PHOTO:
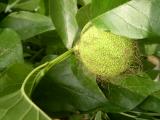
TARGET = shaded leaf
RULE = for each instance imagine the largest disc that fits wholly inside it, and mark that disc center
(2, 7)
(80, 92)
(83, 16)
(98, 116)
(52, 42)
(22, 5)
(152, 103)
(84, 2)
(131, 91)
(44, 7)
(27, 24)
(31, 5)
(63, 15)
(10, 48)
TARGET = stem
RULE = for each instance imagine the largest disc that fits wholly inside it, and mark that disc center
(128, 115)
(10, 6)
(43, 69)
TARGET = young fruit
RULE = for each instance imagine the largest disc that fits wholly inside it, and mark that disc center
(105, 54)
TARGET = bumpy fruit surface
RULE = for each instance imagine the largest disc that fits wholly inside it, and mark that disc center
(105, 53)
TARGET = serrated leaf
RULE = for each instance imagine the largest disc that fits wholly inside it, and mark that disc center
(27, 24)
(63, 15)
(135, 19)
(10, 48)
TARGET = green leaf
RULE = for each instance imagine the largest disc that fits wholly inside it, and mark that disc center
(122, 116)
(10, 48)
(99, 7)
(27, 24)
(2, 7)
(22, 5)
(96, 8)
(52, 43)
(84, 2)
(135, 19)
(14, 103)
(152, 103)
(98, 116)
(44, 7)
(83, 16)
(150, 46)
(130, 91)
(42, 45)
(67, 80)
(63, 15)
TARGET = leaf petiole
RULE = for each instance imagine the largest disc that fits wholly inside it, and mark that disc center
(41, 70)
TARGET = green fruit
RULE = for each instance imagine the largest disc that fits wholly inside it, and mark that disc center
(104, 53)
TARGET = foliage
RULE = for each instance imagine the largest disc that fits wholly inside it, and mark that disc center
(41, 77)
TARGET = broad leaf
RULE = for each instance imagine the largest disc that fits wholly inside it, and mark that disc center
(31, 5)
(152, 103)
(135, 19)
(63, 15)
(44, 7)
(44, 44)
(83, 15)
(14, 103)
(130, 91)
(52, 43)
(10, 48)
(84, 2)
(99, 7)
(27, 24)
(67, 81)
(22, 5)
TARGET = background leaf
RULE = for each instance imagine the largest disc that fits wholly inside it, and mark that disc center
(27, 24)
(129, 92)
(83, 16)
(63, 15)
(98, 116)
(42, 46)
(83, 2)
(10, 48)
(80, 92)
(44, 7)
(152, 103)
(2, 7)
(31, 5)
